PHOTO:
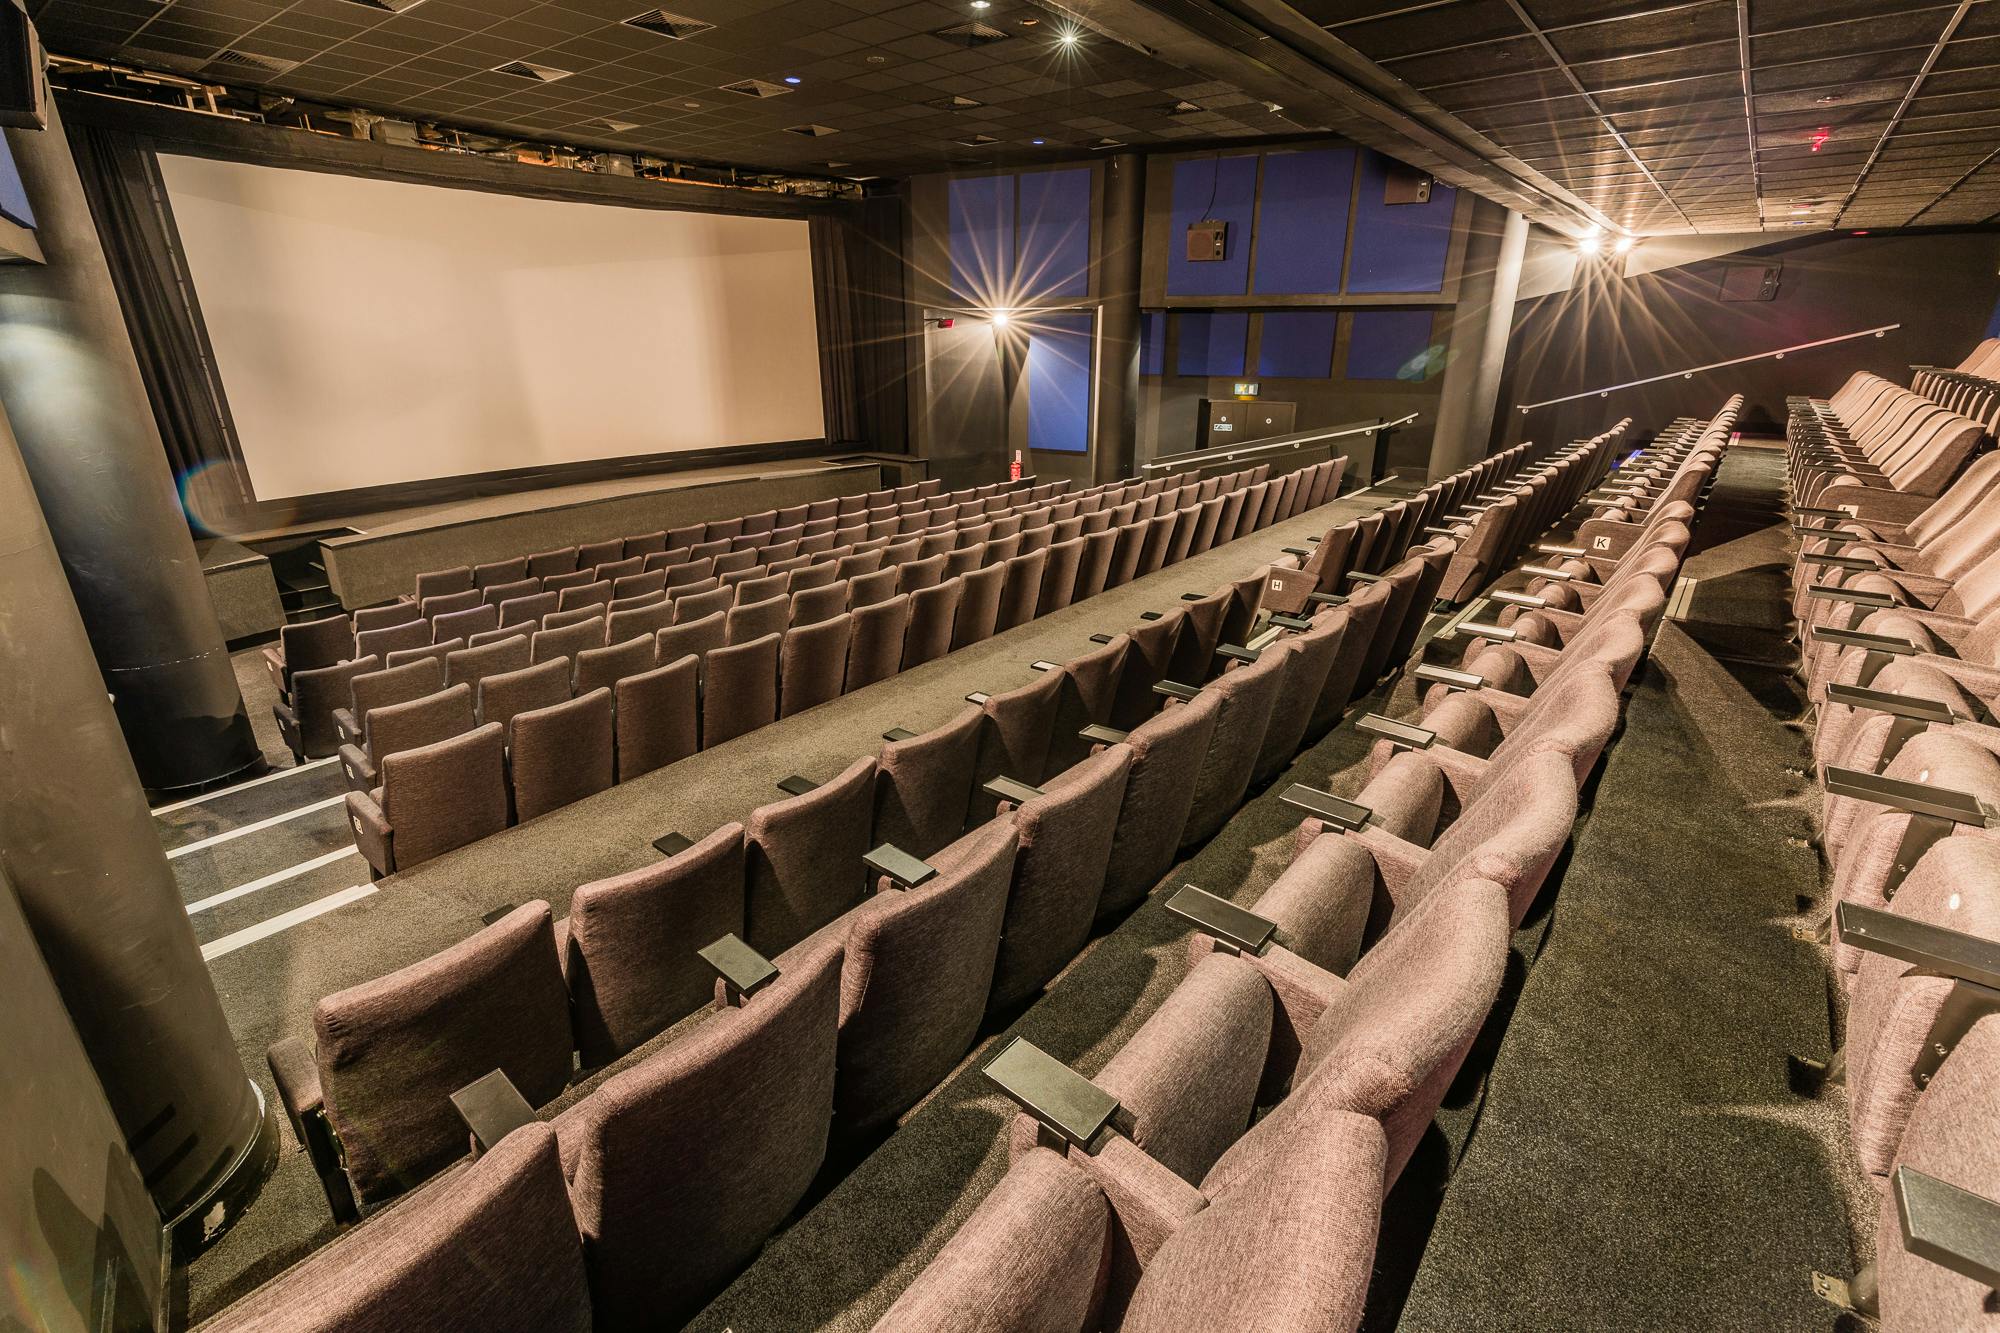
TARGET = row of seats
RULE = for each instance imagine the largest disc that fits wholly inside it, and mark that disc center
(313, 658)
(1874, 436)
(435, 771)
(1897, 602)
(922, 894)
(1227, 1167)
(1971, 388)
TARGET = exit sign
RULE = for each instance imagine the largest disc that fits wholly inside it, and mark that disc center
(1247, 388)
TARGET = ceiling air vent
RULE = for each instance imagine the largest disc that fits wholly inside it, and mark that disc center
(388, 6)
(521, 69)
(972, 33)
(953, 103)
(1183, 108)
(232, 61)
(811, 131)
(677, 26)
(979, 141)
(1108, 142)
(617, 126)
(756, 88)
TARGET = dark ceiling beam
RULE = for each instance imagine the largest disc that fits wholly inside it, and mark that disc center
(1271, 51)
(1948, 190)
(1749, 105)
(1937, 49)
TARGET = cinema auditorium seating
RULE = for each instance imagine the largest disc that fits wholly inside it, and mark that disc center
(788, 640)
(698, 1033)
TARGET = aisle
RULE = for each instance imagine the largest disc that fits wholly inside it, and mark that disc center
(1640, 1095)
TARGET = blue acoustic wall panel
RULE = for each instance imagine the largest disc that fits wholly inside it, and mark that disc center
(1055, 233)
(1212, 342)
(1231, 183)
(980, 237)
(1058, 375)
(1398, 247)
(13, 194)
(1152, 342)
(1390, 345)
(1302, 221)
(1297, 344)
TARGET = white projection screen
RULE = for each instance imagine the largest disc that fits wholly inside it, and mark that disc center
(369, 332)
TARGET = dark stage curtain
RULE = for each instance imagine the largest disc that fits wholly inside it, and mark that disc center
(121, 179)
(857, 269)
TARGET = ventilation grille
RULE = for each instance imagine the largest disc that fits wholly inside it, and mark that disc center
(232, 61)
(811, 131)
(1184, 108)
(756, 88)
(1108, 142)
(972, 33)
(677, 26)
(521, 69)
(388, 6)
(979, 141)
(618, 126)
(953, 103)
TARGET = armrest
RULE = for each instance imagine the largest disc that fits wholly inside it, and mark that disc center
(1297, 551)
(1837, 561)
(1826, 534)
(1450, 679)
(372, 834)
(899, 867)
(1544, 572)
(1043, 664)
(978, 698)
(1399, 734)
(1326, 599)
(1895, 705)
(1102, 735)
(894, 734)
(1151, 615)
(1555, 548)
(345, 724)
(1294, 623)
(492, 1108)
(1811, 512)
(1436, 531)
(1357, 576)
(1916, 798)
(297, 1077)
(742, 969)
(1236, 653)
(1174, 689)
(1937, 950)
(1325, 806)
(358, 767)
(1479, 629)
(1008, 789)
(796, 785)
(1063, 1102)
(1528, 600)
(1100, 638)
(1951, 1227)
(1826, 592)
(672, 844)
(1237, 928)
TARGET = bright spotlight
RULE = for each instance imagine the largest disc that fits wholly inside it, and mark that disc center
(1623, 245)
(1069, 36)
(1000, 318)
(1589, 245)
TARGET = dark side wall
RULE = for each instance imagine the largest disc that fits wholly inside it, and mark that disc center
(1941, 287)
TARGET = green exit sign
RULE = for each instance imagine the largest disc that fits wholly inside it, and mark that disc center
(1247, 388)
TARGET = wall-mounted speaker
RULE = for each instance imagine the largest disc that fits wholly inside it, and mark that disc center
(1406, 185)
(23, 93)
(1207, 240)
(1750, 282)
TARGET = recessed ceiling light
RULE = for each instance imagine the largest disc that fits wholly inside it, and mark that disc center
(793, 79)
(692, 106)
(878, 60)
(1069, 37)
(1029, 23)
(982, 4)
(1038, 142)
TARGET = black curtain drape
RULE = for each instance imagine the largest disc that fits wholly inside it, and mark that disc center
(858, 273)
(121, 179)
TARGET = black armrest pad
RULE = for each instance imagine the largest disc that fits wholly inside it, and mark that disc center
(1049, 1090)
(1544, 572)
(1827, 593)
(1838, 561)
(1193, 596)
(1326, 598)
(898, 734)
(1887, 701)
(898, 865)
(492, 1108)
(1810, 512)
(1298, 551)
(744, 969)
(1476, 629)
(1343, 814)
(1951, 1227)
(1874, 643)
(1173, 689)
(1151, 615)
(797, 786)
(1936, 949)
(1043, 664)
(1235, 926)
(1100, 638)
(1915, 798)
(1103, 735)
(672, 844)
(1399, 733)
(1457, 680)
(1359, 577)
(1007, 789)
(1236, 653)
(1290, 622)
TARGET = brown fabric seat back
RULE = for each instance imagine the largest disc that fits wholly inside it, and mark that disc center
(875, 649)
(804, 858)
(608, 665)
(315, 696)
(813, 605)
(561, 753)
(439, 797)
(393, 685)
(924, 786)
(812, 664)
(978, 606)
(657, 715)
(469, 666)
(420, 722)
(739, 690)
(537, 686)
(933, 611)
(444, 582)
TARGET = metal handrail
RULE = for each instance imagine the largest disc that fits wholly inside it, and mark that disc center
(1206, 456)
(1692, 371)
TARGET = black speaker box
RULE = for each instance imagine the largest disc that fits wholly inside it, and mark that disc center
(23, 92)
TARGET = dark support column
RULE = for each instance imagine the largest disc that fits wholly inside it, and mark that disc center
(1480, 326)
(78, 843)
(1123, 240)
(71, 387)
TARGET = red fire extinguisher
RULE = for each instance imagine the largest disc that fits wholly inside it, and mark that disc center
(1014, 468)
